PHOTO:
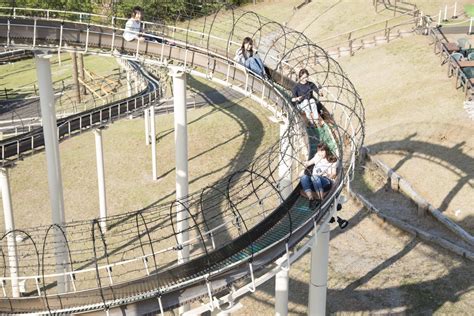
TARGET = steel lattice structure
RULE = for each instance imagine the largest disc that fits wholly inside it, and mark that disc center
(237, 225)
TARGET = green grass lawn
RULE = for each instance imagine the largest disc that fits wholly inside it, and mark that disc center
(240, 131)
(20, 79)
(469, 9)
(22, 74)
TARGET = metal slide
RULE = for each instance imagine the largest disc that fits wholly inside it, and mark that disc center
(252, 226)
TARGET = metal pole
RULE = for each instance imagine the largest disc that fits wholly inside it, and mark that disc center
(281, 293)
(146, 112)
(470, 25)
(285, 187)
(75, 76)
(455, 9)
(55, 184)
(153, 141)
(319, 271)
(181, 142)
(99, 150)
(9, 226)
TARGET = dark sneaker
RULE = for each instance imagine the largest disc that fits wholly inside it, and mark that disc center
(313, 203)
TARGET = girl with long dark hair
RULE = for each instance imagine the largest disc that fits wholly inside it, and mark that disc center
(246, 56)
(316, 185)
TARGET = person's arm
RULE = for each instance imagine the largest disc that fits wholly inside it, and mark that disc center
(239, 57)
(332, 170)
(312, 161)
(127, 33)
(320, 89)
(130, 32)
(296, 97)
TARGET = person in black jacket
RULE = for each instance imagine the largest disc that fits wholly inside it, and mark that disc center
(304, 96)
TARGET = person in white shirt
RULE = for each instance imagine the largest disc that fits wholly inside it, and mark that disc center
(316, 185)
(133, 26)
(246, 56)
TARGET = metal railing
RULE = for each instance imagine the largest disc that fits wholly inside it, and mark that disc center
(213, 63)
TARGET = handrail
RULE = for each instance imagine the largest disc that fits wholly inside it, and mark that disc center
(140, 258)
(280, 102)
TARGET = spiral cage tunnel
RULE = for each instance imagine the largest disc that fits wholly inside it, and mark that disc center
(237, 225)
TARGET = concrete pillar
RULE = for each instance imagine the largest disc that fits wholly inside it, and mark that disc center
(55, 184)
(319, 271)
(281, 292)
(99, 150)
(75, 77)
(146, 113)
(152, 137)
(9, 226)
(285, 187)
(181, 142)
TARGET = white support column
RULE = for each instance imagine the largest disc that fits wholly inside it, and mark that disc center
(9, 226)
(285, 187)
(319, 270)
(153, 142)
(181, 142)
(146, 114)
(284, 168)
(99, 150)
(281, 292)
(55, 184)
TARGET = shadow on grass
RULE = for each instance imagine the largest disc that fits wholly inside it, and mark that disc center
(225, 101)
(252, 129)
(409, 298)
(450, 158)
(425, 297)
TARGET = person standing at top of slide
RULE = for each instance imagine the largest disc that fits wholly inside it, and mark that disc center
(133, 26)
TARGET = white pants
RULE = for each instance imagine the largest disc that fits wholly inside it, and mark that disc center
(308, 107)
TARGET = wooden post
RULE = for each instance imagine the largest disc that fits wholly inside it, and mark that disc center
(81, 73)
(75, 76)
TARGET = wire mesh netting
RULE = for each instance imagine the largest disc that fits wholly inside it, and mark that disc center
(227, 222)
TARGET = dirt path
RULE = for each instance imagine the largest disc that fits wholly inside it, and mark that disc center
(375, 268)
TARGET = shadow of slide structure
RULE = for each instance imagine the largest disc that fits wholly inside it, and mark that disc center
(452, 159)
(418, 291)
(251, 127)
(250, 186)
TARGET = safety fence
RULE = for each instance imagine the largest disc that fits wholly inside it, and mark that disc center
(235, 226)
